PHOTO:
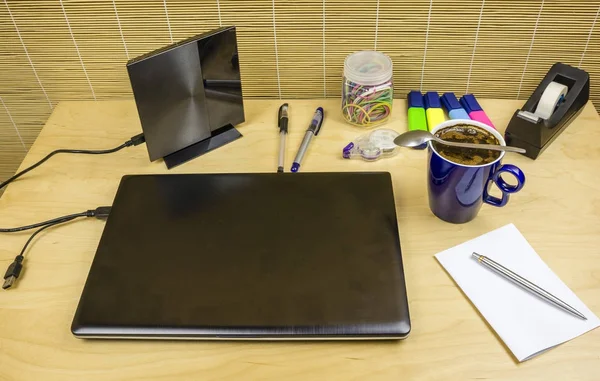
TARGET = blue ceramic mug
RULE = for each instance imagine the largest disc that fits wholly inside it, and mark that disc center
(457, 191)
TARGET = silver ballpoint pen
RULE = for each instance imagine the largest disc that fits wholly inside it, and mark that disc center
(282, 123)
(313, 130)
(527, 285)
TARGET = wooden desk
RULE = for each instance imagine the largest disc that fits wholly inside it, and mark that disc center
(558, 211)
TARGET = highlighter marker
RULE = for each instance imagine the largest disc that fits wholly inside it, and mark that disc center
(453, 107)
(475, 111)
(416, 111)
(433, 109)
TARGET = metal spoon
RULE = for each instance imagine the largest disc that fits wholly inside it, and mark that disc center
(416, 138)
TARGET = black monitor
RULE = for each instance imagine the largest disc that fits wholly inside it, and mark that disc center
(189, 95)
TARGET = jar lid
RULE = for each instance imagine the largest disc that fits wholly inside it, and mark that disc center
(368, 68)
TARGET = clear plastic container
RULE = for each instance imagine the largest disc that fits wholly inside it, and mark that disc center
(368, 90)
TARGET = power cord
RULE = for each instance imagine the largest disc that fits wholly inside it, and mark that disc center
(15, 268)
(134, 141)
(49, 222)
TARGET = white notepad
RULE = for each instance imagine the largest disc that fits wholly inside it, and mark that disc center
(527, 324)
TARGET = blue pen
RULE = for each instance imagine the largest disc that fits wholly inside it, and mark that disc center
(313, 130)
(453, 107)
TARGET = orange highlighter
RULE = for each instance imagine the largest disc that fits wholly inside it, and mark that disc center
(433, 110)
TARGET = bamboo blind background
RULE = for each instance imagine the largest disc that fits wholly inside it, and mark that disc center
(55, 50)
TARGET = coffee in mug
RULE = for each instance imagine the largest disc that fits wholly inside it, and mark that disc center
(464, 133)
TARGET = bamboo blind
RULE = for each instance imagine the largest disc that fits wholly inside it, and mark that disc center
(54, 50)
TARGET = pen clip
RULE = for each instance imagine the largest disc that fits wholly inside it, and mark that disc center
(283, 111)
(283, 117)
(318, 117)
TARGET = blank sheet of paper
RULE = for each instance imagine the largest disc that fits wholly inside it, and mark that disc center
(527, 324)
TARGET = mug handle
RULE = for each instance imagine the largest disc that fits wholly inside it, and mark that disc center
(506, 188)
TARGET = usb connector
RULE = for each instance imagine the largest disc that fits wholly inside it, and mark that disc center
(13, 272)
(136, 140)
(102, 212)
(15, 268)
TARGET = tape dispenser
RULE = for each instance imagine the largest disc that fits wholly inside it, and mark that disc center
(557, 100)
(372, 146)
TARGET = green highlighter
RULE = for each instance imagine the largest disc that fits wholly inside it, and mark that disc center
(416, 111)
(417, 120)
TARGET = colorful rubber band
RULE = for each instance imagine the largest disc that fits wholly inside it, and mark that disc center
(367, 105)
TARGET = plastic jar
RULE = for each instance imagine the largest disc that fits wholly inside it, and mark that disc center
(368, 89)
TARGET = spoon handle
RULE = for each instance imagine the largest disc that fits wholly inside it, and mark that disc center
(493, 147)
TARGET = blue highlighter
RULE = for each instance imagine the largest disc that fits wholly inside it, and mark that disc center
(453, 107)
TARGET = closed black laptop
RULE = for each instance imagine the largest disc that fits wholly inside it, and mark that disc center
(248, 256)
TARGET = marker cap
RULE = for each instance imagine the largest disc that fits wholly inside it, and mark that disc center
(415, 99)
(450, 102)
(432, 100)
(469, 103)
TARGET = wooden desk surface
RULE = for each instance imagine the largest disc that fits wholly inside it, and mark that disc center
(558, 211)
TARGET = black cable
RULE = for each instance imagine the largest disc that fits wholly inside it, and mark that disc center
(49, 222)
(134, 141)
(41, 230)
(14, 269)
(100, 212)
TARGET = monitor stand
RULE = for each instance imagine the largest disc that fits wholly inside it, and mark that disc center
(218, 138)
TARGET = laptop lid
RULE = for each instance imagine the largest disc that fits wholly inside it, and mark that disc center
(248, 256)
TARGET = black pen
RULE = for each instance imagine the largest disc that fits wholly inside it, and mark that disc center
(282, 123)
(313, 130)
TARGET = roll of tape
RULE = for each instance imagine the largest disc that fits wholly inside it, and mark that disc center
(554, 93)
